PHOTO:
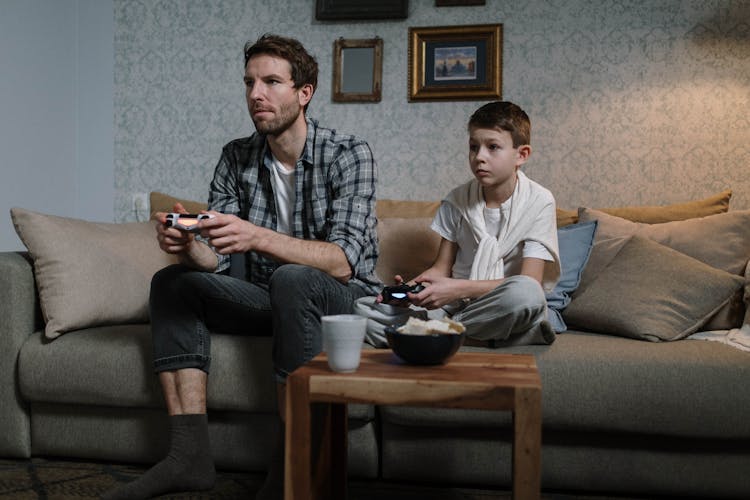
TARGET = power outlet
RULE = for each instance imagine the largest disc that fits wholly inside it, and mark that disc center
(140, 206)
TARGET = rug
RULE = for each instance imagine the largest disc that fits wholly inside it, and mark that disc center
(44, 479)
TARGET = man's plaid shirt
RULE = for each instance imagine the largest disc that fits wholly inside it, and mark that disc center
(335, 197)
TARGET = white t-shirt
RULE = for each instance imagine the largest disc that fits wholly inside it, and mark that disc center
(449, 224)
(282, 181)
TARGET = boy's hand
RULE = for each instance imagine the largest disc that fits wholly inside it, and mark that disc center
(439, 291)
(397, 281)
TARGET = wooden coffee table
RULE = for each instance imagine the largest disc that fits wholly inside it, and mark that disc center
(491, 381)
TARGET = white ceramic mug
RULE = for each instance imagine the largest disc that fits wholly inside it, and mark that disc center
(343, 335)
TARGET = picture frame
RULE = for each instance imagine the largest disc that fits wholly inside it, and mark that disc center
(455, 62)
(458, 3)
(346, 10)
(357, 70)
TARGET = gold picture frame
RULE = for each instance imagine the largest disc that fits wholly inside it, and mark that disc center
(357, 70)
(455, 62)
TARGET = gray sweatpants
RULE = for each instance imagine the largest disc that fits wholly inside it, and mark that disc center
(514, 313)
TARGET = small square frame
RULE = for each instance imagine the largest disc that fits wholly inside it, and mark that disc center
(338, 70)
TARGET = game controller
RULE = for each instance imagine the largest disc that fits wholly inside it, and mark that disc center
(398, 292)
(186, 222)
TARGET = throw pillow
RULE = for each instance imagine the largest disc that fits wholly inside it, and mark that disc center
(90, 273)
(718, 203)
(161, 202)
(566, 217)
(575, 243)
(721, 241)
(652, 292)
(407, 247)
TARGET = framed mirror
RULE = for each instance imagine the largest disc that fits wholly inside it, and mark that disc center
(357, 70)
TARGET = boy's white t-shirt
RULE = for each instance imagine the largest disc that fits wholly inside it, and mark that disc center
(449, 224)
(282, 181)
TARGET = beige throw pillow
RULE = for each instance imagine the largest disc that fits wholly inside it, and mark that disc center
(90, 273)
(407, 247)
(721, 241)
(716, 204)
(651, 292)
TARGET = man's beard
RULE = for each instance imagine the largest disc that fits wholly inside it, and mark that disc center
(287, 116)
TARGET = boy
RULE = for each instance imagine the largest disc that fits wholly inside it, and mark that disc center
(499, 248)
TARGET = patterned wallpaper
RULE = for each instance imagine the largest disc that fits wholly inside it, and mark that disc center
(631, 101)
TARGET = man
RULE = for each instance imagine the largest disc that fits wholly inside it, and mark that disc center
(298, 201)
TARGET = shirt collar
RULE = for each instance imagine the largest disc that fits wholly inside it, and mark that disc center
(307, 151)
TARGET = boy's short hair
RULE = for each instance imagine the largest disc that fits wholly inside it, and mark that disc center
(504, 115)
(304, 66)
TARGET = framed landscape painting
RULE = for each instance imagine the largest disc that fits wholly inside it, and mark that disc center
(455, 63)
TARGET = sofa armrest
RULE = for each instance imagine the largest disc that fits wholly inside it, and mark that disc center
(19, 318)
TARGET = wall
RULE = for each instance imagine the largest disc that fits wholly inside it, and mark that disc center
(632, 102)
(56, 107)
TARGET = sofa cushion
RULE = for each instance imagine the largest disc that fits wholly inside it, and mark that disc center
(85, 367)
(721, 241)
(652, 292)
(715, 204)
(575, 243)
(90, 273)
(603, 384)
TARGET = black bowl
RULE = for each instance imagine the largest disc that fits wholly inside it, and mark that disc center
(431, 349)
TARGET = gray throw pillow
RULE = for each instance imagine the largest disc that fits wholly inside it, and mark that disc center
(652, 292)
(721, 241)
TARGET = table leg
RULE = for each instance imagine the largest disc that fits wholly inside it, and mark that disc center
(339, 448)
(329, 451)
(527, 442)
(297, 474)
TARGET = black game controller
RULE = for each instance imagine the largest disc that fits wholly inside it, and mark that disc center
(398, 292)
(186, 222)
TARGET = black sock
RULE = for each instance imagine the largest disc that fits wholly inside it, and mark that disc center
(188, 466)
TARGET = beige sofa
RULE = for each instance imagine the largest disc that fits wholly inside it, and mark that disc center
(621, 415)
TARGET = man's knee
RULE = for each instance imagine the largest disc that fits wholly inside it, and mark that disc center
(296, 280)
(164, 279)
(291, 275)
(175, 286)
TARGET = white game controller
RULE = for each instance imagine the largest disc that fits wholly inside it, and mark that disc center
(186, 222)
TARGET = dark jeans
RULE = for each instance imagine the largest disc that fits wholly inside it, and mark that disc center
(186, 305)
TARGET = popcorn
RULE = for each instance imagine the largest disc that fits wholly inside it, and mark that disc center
(416, 326)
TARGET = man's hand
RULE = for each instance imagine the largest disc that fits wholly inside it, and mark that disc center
(229, 234)
(172, 240)
(190, 251)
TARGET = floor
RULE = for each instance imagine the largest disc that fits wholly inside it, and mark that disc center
(48, 479)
